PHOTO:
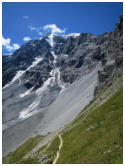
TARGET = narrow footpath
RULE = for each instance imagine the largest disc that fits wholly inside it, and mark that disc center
(58, 151)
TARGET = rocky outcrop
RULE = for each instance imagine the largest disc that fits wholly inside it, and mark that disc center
(113, 61)
(23, 58)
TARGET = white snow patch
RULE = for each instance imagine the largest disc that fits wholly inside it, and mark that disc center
(33, 45)
(66, 55)
(59, 80)
(37, 60)
(73, 35)
(28, 111)
(44, 87)
(17, 76)
(50, 39)
(55, 57)
(21, 72)
(32, 108)
(56, 72)
(26, 93)
(111, 62)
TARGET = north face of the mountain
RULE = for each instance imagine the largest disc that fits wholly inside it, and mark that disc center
(72, 55)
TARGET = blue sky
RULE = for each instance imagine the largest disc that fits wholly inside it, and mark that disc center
(24, 21)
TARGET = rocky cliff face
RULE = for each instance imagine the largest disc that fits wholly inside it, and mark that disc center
(112, 62)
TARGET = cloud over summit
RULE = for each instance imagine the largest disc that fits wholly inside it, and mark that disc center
(53, 28)
(26, 38)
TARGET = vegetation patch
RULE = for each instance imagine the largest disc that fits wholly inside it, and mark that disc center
(17, 155)
(98, 138)
(51, 151)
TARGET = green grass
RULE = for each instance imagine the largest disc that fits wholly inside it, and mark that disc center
(51, 150)
(29, 160)
(97, 139)
(17, 155)
(47, 156)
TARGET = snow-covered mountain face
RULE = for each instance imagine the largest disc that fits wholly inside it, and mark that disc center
(55, 76)
(41, 69)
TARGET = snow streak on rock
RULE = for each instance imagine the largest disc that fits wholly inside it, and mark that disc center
(32, 108)
(56, 71)
(55, 78)
(73, 35)
(26, 93)
(21, 72)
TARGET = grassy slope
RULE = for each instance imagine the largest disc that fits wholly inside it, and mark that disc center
(98, 138)
(17, 155)
(51, 151)
(43, 156)
(94, 137)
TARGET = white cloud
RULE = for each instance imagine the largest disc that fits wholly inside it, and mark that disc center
(7, 44)
(15, 46)
(32, 28)
(37, 30)
(26, 17)
(53, 28)
(26, 38)
(5, 41)
(12, 47)
(40, 33)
